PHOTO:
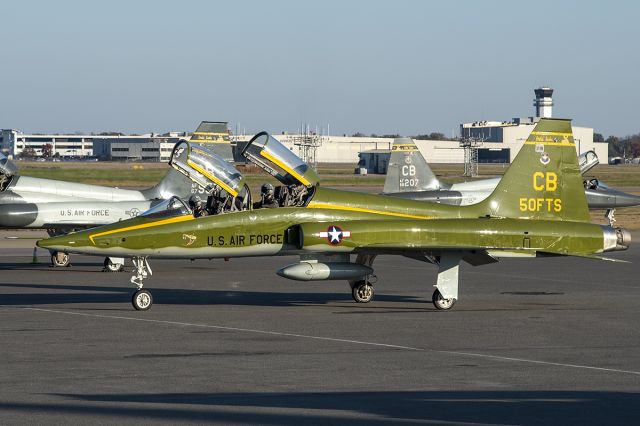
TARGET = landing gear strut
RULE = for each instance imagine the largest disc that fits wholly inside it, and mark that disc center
(610, 216)
(60, 259)
(142, 299)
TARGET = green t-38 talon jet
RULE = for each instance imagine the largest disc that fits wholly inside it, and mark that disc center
(538, 209)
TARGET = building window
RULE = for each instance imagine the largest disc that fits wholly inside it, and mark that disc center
(150, 149)
(120, 149)
(35, 139)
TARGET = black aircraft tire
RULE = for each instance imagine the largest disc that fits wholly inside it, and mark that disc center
(112, 267)
(60, 259)
(142, 300)
(440, 302)
(362, 292)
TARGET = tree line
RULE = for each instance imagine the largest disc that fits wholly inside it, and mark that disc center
(433, 136)
(627, 147)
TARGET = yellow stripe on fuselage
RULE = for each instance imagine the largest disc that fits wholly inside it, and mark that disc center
(142, 226)
(286, 168)
(224, 186)
(314, 205)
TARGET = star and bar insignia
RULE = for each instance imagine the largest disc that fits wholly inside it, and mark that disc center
(335, 235)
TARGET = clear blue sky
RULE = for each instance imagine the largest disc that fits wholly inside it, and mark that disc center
(404, 67)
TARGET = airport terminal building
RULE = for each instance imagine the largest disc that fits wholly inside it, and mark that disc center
(149, 147)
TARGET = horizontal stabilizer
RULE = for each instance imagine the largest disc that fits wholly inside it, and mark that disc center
(583, 256)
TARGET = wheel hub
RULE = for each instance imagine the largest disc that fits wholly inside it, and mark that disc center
(143, 300)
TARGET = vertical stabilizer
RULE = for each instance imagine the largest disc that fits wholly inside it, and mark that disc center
(215, 136)
(173, 183)
(408, 171)
(544, 180)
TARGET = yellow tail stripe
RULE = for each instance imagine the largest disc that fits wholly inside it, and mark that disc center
(540, 133)
(211, 133)
(142, 226)
(207, 142)
(314, 205)
(404, 148)
(545, 142)
(286, 168)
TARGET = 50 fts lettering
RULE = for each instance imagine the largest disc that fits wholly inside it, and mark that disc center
(243, 240)
(547, 182)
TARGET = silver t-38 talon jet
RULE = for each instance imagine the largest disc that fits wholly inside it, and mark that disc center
(60, 207)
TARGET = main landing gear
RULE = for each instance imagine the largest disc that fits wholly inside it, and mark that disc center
(113, 264)
(445, 294)
(60, 259)
(142, 299)
(362, 290)
(440, 302)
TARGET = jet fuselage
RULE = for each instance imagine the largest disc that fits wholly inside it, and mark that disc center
(366, 219)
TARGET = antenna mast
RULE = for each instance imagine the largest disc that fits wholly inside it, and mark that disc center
(470, 145)
(308, 143)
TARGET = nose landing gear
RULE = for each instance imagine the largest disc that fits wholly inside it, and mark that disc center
(142, 299)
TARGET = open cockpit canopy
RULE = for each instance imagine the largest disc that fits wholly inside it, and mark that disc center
(276, 159)
(7, 170)
(587, 161)
(206, 168)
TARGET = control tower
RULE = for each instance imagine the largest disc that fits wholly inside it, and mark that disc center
(543, 102)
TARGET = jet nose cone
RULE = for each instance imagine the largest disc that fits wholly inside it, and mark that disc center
(624, 199)
(58, 243)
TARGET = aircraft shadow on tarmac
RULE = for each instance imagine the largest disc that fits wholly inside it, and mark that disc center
(23, 266)
(84, 294)
(486, 407)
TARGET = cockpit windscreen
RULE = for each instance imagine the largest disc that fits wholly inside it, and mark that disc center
(170, 207)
